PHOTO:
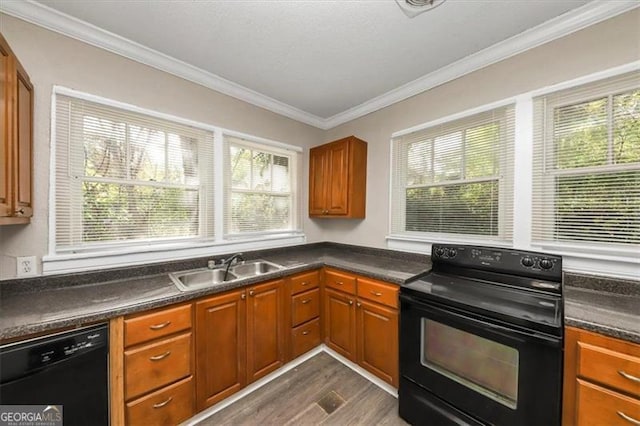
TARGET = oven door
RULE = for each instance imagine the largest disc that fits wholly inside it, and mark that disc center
(493, 373)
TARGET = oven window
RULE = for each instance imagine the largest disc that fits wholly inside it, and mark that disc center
(488, 367)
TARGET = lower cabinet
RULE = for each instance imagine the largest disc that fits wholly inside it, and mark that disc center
(240, 337)
(361, 323)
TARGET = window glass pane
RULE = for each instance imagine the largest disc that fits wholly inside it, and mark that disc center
(147, 154)
(460, 209)
(261, 171)
(182, 161)
(598, 207)
(419, 170)
(255, 212)
(580, 134)
(105, 149)
(114, 212)
(483, 365)
(240, 167)
(481, 149)
(281, 177)
(448, 157)
(626, 123)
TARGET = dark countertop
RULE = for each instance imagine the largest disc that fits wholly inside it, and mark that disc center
(607, 306)
(604, 305)
(47, 303)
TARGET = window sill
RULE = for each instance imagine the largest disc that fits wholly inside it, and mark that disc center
(590, 261)
(132, 256)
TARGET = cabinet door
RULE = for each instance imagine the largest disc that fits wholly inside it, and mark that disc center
(317, 186)
(23, 128)
(340, 323)
(337, 178)
(220, 347)
(265, 329)
(5, 129)
(377, 331)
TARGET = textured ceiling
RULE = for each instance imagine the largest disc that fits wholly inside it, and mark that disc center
(320, 56)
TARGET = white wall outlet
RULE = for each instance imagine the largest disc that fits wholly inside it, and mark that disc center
(26, 266)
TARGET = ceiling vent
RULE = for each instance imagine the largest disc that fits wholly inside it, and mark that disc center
(413, 8)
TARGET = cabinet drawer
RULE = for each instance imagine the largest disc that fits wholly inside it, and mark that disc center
(600, 406)
(340, 281)
(305, 337)
(306, 281)
(305, 306)
(167, 406)
(614, 369)
(376, 291)
(157, 364)
(146, 327)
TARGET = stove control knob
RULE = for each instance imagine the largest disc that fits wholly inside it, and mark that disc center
(546, 264)
(452, 252)
(527, 261)
(439, 251)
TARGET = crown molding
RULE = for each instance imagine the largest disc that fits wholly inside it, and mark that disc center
(51, 19)
(572, 21)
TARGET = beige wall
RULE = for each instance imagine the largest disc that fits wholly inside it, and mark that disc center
(53, 59)
(605, 45)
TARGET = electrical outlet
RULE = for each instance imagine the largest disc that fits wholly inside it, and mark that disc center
(26, 266)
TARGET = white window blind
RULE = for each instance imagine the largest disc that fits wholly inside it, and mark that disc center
(123, 177)
(586, 165)
(455, 179)
(260, 188)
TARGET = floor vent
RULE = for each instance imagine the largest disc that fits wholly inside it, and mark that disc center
(330, 402)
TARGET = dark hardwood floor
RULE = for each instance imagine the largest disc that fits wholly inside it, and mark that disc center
(320, 391)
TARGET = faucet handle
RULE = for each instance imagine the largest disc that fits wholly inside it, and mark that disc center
(211, 264)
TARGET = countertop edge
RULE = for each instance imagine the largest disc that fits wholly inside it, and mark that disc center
(606, 330)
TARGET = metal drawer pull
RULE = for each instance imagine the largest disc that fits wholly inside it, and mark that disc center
(304, 333)
(376, 293)
(350, 302)
(628, 418)
(304, 283)
(305, 301)
(628, 376)
(159, 326)
(159, 357)
(339, 282)
(162, 404)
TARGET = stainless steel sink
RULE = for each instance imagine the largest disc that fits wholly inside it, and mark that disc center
(254, 267)
(200, 278)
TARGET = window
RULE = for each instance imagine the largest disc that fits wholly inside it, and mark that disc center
(123, 177)
(260, 185)
(587, 165)
(455, 179)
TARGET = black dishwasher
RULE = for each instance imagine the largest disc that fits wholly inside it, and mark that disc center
(68, 369)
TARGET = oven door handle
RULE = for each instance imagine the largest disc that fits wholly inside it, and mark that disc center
(505, 331)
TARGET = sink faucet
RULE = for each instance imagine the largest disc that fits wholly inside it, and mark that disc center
(237, 257)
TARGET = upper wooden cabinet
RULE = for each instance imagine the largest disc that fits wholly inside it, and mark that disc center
(338, 179)
(16, 132)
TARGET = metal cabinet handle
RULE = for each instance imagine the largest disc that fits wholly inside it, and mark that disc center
(243, 296)
(251, 293)
(159, 326)
(628, 418)
(358, 304)
(159, 357)
(305, 301)
(304, 333)
(162, 404)
(628, 376)
(339, 283)
(20, 211)
(350, 302)
(303, 283)
(376, 293)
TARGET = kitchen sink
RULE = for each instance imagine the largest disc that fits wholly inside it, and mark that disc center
(254, 267)
(200, 278)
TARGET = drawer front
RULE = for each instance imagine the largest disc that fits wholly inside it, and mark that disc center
(146, 327)
(340, 281)
(305, 337)
(600, 406)
(167, 406)
(379, 292)
(155, 365)
(305, 306)
(304, 282)
(614, 369)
